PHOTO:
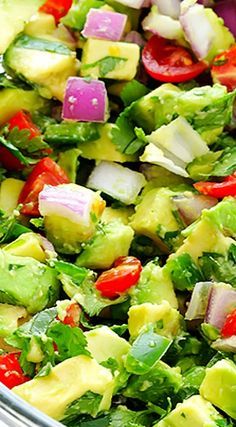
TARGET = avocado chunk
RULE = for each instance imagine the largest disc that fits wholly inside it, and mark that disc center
(193, 412)
(26, 282)
(47, 64)
(154, 286)
(111, 214)
(218, 386)
(9, 194)
(27, 245)
(110, 242)
(155, 217)
(67, 382)
(165, 318)
(9, 318)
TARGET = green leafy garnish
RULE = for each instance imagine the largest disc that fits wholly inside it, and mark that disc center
(105, 65)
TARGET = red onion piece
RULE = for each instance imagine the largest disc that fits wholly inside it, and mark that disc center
(190, 206)
(135, 37)
(147, 3)
(168, 7)
(85, 100)
(221, 302)
(102, 24)
(226, 345)
(199, 301)
(48, 247)
(226, 9)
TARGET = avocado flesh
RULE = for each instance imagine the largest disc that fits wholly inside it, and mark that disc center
(218, 386)
(9, 194)
(9, 318)
(26, 282)
(66, 383)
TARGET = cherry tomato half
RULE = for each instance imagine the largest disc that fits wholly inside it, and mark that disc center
(169, 63)
(46, 172)
(229, 328)
(120, 278)
(218, 189)
(11, 373)
(57, 8)
(223, 69)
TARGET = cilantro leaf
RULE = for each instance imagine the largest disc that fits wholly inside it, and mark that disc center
(21, 139)
(105, 65)
(87, 404)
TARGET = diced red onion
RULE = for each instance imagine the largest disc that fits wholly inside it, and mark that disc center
(226, 344)
(147, 3)
(70, 201)
(221, 302)
(135, 4)
(85, 100)
(199, 301)
(207, 3)
(135, 37)
(190, 206)
(103, 24)
(117, 181)
(198, 30)
(226, 9)
(168, 7)
(162, 25)
(47, 247)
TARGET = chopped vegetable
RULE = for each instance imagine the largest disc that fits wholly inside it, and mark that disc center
(103, 24)
(229, 327)
(85, 100)
(57, 8)
(162, 25)
(222, 301)
(223, 68)
(11, 373)
(218, 189)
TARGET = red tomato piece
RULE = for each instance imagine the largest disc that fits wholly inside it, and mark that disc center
(11, 373)
(229, 328)
(73, 313)
(57, 8)
(218, 189)
(223, 69)
(169, 63)
(9, 161)
(120, 278)
(46, 172)
(22, 120)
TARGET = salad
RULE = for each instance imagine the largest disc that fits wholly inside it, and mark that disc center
(118, 210)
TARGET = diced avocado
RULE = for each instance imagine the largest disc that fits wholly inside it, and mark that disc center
(193, 412)
(103, 148)
(154, 286)
(46, 64)
(156, 386)
(9, 318)
(223, 215)
(14, 100)
(13, 16)
(9, 194)
(40, 24)
(25, 281)
(103, 344)
(108, 59)
(109, 243)
(165, 318)
(155, 217)
(27, 245)
(218, 386)
(66, 383)
(34, 354)
(111, 214)
(68, 160)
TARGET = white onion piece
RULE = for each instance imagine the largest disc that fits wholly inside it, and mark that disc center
(221, 302)
(198, 30)
(71, 201)
(226, 344)
(190, 206)
(117, 181)
(163, 25)
(154, 155)
(85, 100)
(103, 24)
(168, 7)
(199, 301)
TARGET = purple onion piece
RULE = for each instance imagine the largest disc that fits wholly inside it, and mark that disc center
(168, 7)
(226, 344)
(85, 100)
(199, 301)
(226, 9)
(190, 206)
(47, 247)
(104, 24)
(135, 37)
(222, 301)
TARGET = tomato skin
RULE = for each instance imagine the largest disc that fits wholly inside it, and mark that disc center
(229, 328)
(57, 8)
(223, 70)
(73, 313)
(218, 189)
(11, 373)
(120, 278)
(168, 63)
(9, 161)
(46, 172)
(22, 120)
